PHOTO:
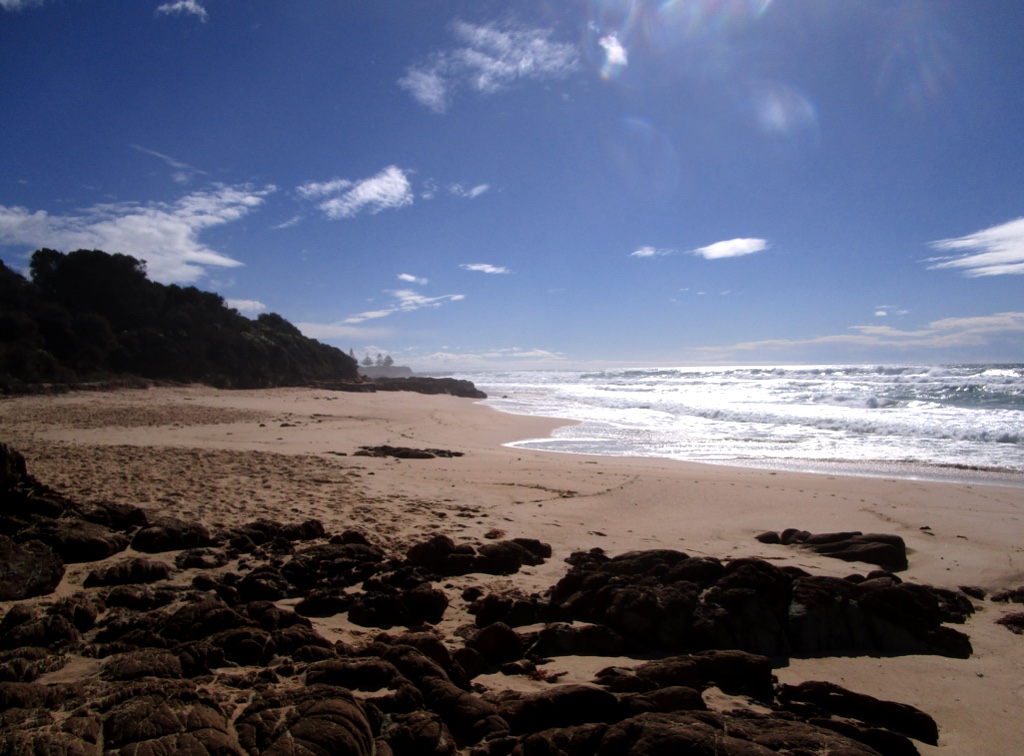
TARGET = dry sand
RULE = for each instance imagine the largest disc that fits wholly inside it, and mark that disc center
(228, 458)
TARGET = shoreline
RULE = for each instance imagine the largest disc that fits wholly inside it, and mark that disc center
(229, 457)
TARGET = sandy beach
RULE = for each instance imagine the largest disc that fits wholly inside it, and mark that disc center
(227, 458)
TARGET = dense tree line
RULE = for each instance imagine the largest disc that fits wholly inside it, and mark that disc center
(89, 315)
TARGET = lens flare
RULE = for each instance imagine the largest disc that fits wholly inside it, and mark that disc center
(644, 158)
(917, 61)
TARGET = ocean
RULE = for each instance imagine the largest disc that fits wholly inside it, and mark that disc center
(962, 422)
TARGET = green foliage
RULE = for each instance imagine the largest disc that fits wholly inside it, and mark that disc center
(88, 313)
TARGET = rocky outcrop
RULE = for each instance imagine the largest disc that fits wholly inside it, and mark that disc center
(886, 551)
(202, 657)
(663, 599)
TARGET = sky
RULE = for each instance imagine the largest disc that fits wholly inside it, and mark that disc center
(491, 185)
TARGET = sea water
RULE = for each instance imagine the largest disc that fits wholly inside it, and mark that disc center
(962, 421)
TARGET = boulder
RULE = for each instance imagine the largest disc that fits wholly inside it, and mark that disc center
(28, 569)
(77, 540)
(834, 699)
(313, 719)
(171, 534)
(129, 571)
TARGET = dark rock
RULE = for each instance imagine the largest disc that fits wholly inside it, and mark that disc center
(513, 610)
(113, 515)
(263, 584)
(425, 604)
(245, 645)
(51, 631)
(28, 569)
(139, 598)
(138, 664)
(497, 643)
(561, 706)
(974, 592)
(504, 558)
(315, 719)
(77, 540)
(129, 571)
(538, 548)
(1013, 596)
(837, 700)
(1014, 622)
(323, 603)
(201, 558)
(564, 639)
(887, 551)
(671, 698)
(166, 716)
(201, 619)
(378, 609)
(883, 741)
(735, 672)
(423, 385)
(432, 553)
(746, 609)
(355, 674)
(171, 534)
(418, 733)
(290, 639)
(464, 713)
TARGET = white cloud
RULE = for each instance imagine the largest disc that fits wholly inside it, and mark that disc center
(615, 54)
(316, 189)
(165, 235)
(427, 86)
(193, 7)
(491, 58)
(246, 306)
(409, 278)
(995, 251)
(731, 248)
(388, 190)
(405, 300)
(649, 251)
(485, 268)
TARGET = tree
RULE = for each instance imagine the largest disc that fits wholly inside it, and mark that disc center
(368, 360)
(388, 362)
(380, 360)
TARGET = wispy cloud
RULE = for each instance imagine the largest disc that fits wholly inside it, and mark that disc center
(514, 357)
(165, 235)
(944, 334)
(388, 190)
(472, 193)
(652, 252)
(16, 5)
(731, 248)
(246, 306)
(995, 251)
(485, 268)
(490, 58)
(341, 330)
(405, 300)
(409, 278)
(188, 7)
(183, 172)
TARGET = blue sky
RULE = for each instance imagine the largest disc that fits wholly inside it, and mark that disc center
(536, 184)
